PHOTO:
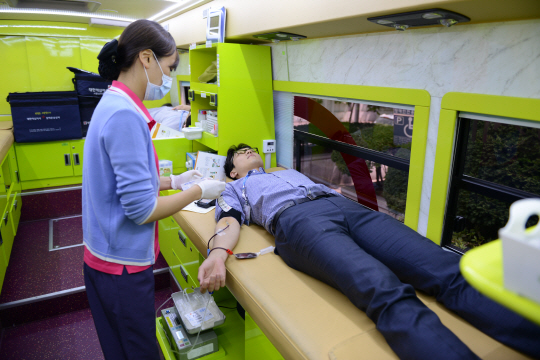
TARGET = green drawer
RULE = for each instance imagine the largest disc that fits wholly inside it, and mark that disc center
(167, 237)
(6, 229)
(15, 211)
(188, 252)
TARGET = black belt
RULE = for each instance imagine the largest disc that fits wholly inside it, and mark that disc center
(291, 203)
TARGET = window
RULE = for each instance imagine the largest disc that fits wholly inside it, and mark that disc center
(360, 150)
(496, 162)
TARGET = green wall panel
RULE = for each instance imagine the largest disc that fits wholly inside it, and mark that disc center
(90, 49)
(14, 70)
(48, 58)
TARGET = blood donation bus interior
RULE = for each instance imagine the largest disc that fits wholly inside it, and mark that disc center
(426, 111)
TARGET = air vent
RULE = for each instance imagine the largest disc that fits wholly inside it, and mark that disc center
(67, 5)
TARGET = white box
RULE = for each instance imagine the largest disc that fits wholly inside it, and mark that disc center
(521, 250)
(192, 133)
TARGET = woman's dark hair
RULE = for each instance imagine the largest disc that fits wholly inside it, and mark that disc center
(138, 36)
(229, 165)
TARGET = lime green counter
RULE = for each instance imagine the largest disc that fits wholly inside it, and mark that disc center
(482, 267)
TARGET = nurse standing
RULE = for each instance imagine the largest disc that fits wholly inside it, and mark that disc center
(121, 184)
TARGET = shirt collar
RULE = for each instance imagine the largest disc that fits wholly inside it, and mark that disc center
(133, 97)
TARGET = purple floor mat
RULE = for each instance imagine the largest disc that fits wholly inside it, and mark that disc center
(67, 232)
(51, 205)
(34, 270)
(68, 337)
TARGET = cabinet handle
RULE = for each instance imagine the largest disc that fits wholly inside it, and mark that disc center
(67, 159)
(17, 174)
(15, 204)
(76, 159)
(184, 275)
(5, 218)
(182, 237)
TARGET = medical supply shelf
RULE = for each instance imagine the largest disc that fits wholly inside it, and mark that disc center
(482, 267)
(244, 94)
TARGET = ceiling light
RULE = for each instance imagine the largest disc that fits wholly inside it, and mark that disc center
(277, 36)
(432, 15)
(9, 10)
(399, 27)
(69, 5)
(428, 17)
(44, 27)
(97, 22)
(177, 9)
(448, 22)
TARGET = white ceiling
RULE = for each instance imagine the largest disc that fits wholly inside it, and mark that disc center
(125, 9)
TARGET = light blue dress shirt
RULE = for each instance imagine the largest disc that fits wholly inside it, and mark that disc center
(269, 192)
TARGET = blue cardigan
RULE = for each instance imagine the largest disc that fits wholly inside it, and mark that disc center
(120, 184)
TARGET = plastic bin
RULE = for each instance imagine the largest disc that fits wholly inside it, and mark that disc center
(45, 116)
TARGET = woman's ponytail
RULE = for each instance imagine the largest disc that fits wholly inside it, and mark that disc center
(109, 62)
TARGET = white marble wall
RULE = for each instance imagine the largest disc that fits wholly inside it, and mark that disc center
(494, 58)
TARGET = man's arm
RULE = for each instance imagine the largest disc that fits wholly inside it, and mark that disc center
(212, 271)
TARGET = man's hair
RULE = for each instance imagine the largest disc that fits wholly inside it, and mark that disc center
(229, 165)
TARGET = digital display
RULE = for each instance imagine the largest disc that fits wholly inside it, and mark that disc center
(214, 21)
(271, 143)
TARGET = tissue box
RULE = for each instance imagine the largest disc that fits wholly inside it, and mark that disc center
(165, 167)
(521, 250)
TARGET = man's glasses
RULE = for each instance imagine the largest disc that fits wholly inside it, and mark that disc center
(244, 151)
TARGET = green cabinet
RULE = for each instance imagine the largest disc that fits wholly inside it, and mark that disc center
(180, 253)
(174, 150)
(46, 164)
(10, 208)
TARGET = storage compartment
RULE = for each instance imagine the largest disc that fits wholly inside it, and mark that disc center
(45, 116)
(15, 211)
(6, 230)
(87, 105)
(88, 83)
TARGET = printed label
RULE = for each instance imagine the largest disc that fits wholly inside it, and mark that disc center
(203, 95)
(209, 44)
(223, 205)
(195, 317)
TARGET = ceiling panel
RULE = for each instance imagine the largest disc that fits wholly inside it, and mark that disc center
(129, 9)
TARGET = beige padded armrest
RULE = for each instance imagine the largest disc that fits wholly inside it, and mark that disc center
(305, 318)
(6, 140)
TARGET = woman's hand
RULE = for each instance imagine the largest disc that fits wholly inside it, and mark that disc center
(212, 272)
(178, 180)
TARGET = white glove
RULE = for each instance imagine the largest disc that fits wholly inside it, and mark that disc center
(211, 189)
(178, 180)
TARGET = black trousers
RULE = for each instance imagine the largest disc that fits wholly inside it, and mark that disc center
(123, 310)
(376, 261)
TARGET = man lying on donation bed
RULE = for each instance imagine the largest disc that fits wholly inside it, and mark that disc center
(373, 259)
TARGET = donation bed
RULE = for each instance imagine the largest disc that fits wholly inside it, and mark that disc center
(305, 318)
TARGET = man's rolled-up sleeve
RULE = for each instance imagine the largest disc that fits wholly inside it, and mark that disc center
(126, 143)
(230, 201)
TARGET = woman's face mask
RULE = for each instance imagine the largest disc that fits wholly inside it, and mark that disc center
(156, 92)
